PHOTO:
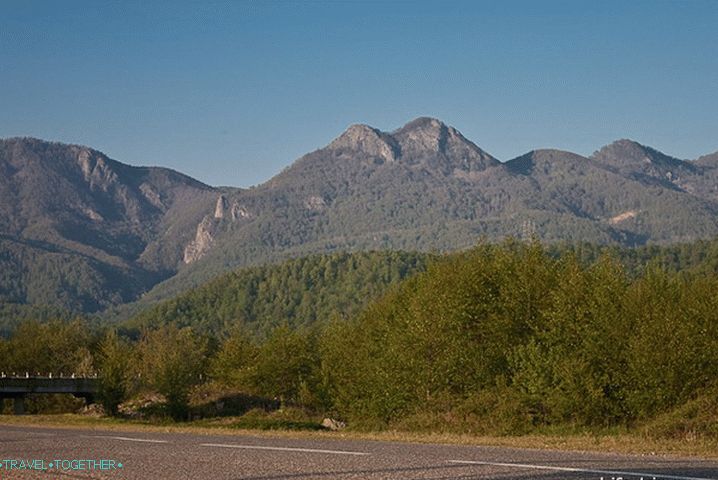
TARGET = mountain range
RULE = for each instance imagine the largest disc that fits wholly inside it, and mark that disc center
(86, 233)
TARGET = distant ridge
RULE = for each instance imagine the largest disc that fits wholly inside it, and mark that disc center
(84, 232)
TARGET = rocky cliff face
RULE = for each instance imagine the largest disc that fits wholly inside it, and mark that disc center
(225, 212)
(203, 239)
(221, 208)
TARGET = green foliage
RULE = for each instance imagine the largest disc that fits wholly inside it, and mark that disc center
(284, 366)
(674, 348)
(502, 339)
(696, 418)
(512, 337)
(13, 314)
(171, 361)
(54, 347)
(114, 362)
(445, 332)
(38, 276)
(298, 292)
(234, 364)
(699, 257)
(573, 366)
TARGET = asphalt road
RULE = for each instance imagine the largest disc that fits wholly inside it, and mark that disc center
(157, 456)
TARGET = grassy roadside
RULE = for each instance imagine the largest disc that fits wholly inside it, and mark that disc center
(603, 442)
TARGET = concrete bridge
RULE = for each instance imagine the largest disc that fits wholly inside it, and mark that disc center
(18, 387)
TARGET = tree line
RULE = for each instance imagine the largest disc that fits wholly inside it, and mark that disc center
(502, 338)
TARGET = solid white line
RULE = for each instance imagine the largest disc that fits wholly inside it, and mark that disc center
(128, 439)
(647, 476)
(282, 449)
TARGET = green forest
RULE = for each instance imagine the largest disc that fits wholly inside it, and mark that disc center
(298, 292)
(506, 338)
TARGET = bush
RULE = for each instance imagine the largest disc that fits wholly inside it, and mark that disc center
(697, 418)
(114, 355)
(172, 361)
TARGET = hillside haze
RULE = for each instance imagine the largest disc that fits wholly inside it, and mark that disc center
(108, 232)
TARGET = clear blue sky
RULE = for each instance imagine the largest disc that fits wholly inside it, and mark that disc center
(231, 92)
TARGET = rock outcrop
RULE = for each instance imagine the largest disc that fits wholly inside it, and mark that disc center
(220, 209)
(368, 141)
(203, 240)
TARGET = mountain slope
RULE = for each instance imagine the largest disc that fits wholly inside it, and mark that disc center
(608, 204)
(426, 187)
(365, 190)
(82, 231)
(422, 187)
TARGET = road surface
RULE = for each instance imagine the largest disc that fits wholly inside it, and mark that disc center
(74, 453)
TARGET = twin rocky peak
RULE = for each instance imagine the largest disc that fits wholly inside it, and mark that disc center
(418, 138)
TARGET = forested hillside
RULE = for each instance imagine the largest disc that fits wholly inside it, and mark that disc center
(699, 257)
(297, 293)
(502, 338)
(316, 288)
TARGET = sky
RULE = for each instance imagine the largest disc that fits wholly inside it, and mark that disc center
(232, 92)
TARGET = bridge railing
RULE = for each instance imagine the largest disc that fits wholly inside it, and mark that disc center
(18, 387)
(46, 375)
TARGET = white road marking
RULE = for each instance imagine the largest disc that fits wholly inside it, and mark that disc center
(282, 449)
(646, 476)
(127, 439)
(30, 431)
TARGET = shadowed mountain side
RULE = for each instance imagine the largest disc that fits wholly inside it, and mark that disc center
(91, 231)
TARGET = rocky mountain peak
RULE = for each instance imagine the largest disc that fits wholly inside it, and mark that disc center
(427, 137)
(423, 124)
(424, 134)
(626, 143)
(368, 140)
